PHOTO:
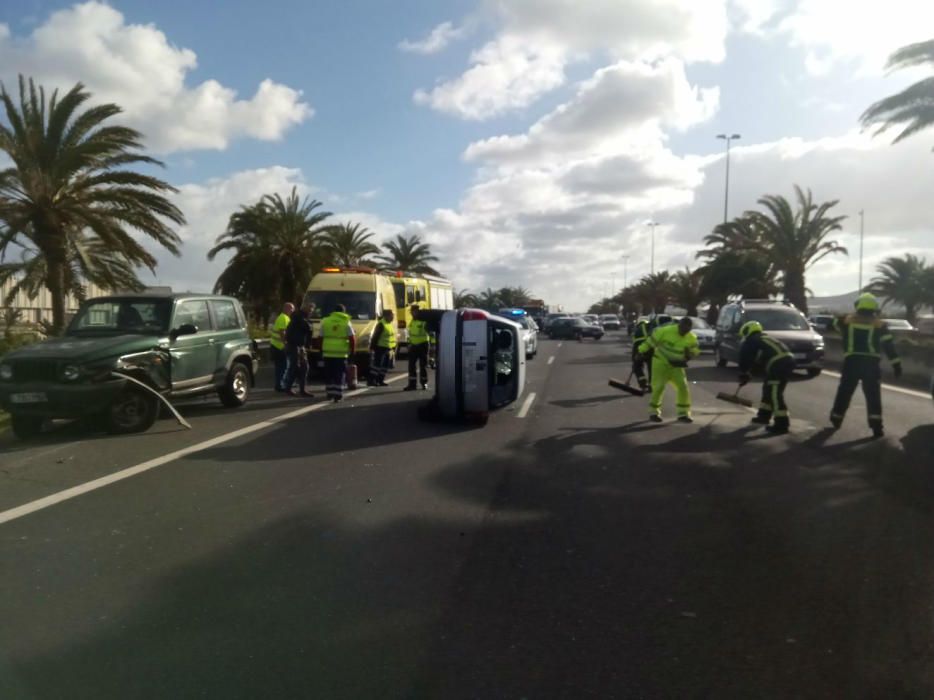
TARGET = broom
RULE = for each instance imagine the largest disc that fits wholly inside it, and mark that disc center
(735, 397)
(624, 386)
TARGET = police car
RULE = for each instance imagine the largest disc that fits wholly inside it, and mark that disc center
(529, 329)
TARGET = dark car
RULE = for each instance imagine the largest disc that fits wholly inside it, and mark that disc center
(780, 320)
(177, 345)
(574, 329)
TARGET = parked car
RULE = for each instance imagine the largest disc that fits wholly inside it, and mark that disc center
(529, 330)
(706, 335)
(899, 326)
(592, 319)
(177, 345)
(553, 320)
(822, 323)
(549, 318)
(574, 329)
(610, 322)
(781, 321)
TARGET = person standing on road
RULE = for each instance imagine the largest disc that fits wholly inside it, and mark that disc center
(382, 345)
(779, 364)
(640, 333)
(277, 343)
(864, 334)
(297, 342)
(338, 344)
(672, 346)
(418, 351)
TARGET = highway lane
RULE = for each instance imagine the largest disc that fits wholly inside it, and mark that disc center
(355, 552)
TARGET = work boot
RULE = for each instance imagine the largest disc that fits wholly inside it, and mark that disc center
(685, 419)
(877, 431)
(409, 387)
(836, 422)
(655, 418)
(761, 420)
(424, 386)
(644, 385)
(777, 429)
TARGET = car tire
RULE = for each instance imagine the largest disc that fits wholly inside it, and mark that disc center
(236, 387)
(814, 372)
(721, 360)
(597, 337)
(26, 427)
(133, 411)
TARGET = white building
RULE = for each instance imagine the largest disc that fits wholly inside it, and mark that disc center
(40, 308)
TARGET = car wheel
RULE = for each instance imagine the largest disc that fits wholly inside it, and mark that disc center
(580, 338)
(597, 337)
(133, 411)
(721, 360)
(26, 427)
(236, 387)
(814, 371)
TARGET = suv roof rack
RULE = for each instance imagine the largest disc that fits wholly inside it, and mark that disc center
(783, 302)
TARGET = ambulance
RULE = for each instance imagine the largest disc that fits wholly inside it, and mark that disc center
(428, 291)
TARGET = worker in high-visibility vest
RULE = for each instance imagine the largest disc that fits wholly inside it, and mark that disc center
(864, 336)
(640, 333)
(337, 346)
(776, 360)
(419, 343)
(277, 343)
(382, 346)
(672, 346)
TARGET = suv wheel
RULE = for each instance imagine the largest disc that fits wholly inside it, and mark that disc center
(236, 387)
(721, 360)
(133, 411)
(25, 427)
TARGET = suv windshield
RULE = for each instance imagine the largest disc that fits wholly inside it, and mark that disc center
(361, 306)
(115, 316)
(778, 319)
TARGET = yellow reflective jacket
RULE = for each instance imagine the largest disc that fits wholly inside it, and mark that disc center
(670, 346)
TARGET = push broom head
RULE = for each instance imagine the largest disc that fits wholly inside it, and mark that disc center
(617, 384)
(734, 398)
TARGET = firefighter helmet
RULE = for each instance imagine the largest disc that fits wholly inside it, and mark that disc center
(749, 328)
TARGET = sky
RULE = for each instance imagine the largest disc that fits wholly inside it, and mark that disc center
(528, 141)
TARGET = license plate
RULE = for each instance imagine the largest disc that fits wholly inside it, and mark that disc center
(801, 356)
(35, 397)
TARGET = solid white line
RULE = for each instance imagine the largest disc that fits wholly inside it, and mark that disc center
(526, 405)
(899, 389)
(551, 360)
(75, 491)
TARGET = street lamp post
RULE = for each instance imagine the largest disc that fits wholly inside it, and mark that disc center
(653, 224)
(726, 193)
(860, 250)
(625, 271)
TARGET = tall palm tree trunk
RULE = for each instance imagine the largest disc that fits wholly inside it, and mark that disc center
(56, 261)
(794, 289)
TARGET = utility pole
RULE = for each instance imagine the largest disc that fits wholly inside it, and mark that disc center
(726, 192)
(653, 224)
(860, 250)
(625, 271)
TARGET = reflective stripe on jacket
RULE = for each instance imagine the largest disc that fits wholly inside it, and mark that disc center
(670, 346)
(335, 340)
(760, 348)
(866, 335)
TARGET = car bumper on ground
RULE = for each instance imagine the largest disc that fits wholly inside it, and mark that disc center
(59, 400)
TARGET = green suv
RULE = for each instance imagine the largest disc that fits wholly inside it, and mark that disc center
(178, 345)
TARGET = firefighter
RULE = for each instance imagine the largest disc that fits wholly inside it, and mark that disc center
(418, 351)
(640, 333)
(382, 345)
(672, 345)
(337, 345)
(778, 363)
(864, 335)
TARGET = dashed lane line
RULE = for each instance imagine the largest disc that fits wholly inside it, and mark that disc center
(526, 405)
(81, 489)
(898, 389)
(551, 360)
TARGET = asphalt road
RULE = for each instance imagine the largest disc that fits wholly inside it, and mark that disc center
(310, 550)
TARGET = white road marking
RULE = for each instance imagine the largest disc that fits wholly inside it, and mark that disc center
(81, 489)
(526, 405)
(560, 344)
(551, 360)
(899, 389)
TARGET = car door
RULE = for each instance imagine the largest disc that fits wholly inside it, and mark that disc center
(229, 333)
(194, 355)
(731, 335)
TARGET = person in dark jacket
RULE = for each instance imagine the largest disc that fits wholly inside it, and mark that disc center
(640, 333)
(864, 334)
(776, 360)
(297, 342)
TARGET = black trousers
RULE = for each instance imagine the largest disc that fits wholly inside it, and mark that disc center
(335, 370)
(418, 357)
(773, 391)
(638, 365)
(296, 367)
(866, 370)
(380, 365)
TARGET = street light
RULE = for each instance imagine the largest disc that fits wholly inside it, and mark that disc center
(625, 269)
(860, 250)
(726, 193)
(653, 224)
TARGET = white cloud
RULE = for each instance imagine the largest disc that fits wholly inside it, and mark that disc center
(537, 39)
(436, 41)
(861, 33)
(138, 68)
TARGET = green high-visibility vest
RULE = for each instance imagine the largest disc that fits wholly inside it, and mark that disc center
(418, 333)
(335, 340)
(280, 324)
(387, 339)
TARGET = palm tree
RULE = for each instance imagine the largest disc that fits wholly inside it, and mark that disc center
(277, 247)
(903, 280)
(465, 299)
(71, 183)
(514, 297)
(736, 273)
(912, 109)
(687, 289)
(409, 254)
(654, 291)
(348, 245)
(489, 299)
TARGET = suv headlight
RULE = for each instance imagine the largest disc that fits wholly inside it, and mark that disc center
(71, 372)
(6, 372)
